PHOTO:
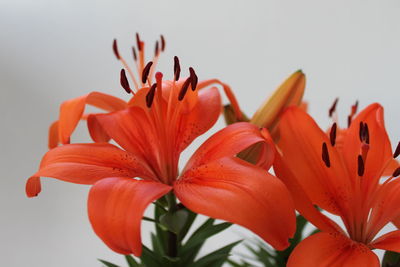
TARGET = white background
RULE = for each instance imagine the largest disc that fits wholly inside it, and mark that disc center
(51, 51)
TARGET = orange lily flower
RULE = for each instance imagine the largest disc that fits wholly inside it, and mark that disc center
(343, 177)
(72, 111)
(160, 122)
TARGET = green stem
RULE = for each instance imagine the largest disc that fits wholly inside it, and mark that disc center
(172, 237)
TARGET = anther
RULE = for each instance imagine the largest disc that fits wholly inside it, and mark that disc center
(115, 49)
(146, 71)
(193, 78)
(348, 121)
(397, 151)
(156, 49)
(184, 89)
(134, 53)
(354, 108)
(138, 42)
(325, 155)
(177, 68)
(366, 133)
(124, 82)
(396, 172)
(332, 134)
(333, 107)
(150, 95)
(162, 43)
(361, 131)
(361, 168)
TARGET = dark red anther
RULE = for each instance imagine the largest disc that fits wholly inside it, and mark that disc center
(193, 78)
(364, 133)
(325, 155)
(397, 151)
(138, 42)
(124, 82)
(361, 167)
(146, 71)
(332, 134)
(134, 53)
(348, 121)
(162, 43)
(177, 68)
(184, 89)
(361, 131)
(354, 108)
(115, 49)
(333, 107)
(150, 95)
(156, 49)
(396, 172)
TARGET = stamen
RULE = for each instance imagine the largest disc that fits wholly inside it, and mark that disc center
(364, 133)
(348, 121)
(333, 107)
(162, 43)
(193, 78)
(115, 49)
(156, 49)
(325, 155)
(177, 68)
(184, 89)
(146, 72)
(397, 151)
(124, 82)
(361, 131)
(396, 172)
(354, 108)
(134, 53)
(361, 168)
(332, 134)
(138, 42)
(150, 95)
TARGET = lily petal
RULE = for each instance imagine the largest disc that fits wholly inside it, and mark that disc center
(230, 141)
(96, 131)
(389, 241)
(302, 202)
(331, 250)
(116, 207)
(71, 111)
(200, 119)
(248, 196)
(380, 151)
(86, 164)
(53, 135)
(301, 145)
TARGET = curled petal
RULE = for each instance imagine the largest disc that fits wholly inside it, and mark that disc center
(53, 135)
(239, 192)
(333, 250)
(389, 241)
(98, 134)
(72, 110)
(86, 164)
(230, 141)
(301, 142)
(116, 207)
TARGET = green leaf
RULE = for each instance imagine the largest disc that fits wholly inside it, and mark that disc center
(151, 259)
(131, 261)
(174, 222)
(205, 231)
(216, 258)
(391, 259)
(108, 264)
(156, 245)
